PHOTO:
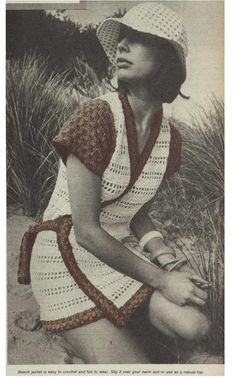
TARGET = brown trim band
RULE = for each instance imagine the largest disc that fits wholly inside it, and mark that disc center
(27, 243)
(76, 320)
(137, 161)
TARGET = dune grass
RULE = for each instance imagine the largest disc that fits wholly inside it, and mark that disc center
(38, 103)
(37, 106)
(85, 83)
(203, 152)
(203, 178)
(189, 209)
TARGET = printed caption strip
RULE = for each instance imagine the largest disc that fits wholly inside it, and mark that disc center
(45, 4)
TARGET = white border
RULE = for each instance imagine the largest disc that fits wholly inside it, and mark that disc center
(230, 139)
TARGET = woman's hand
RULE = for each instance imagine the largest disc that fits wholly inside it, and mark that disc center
(181, 289)
(186, 268)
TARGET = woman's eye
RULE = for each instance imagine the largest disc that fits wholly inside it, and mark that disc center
(133, 35)
(129, 34)
(121, 36)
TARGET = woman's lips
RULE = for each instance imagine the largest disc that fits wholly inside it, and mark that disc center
(123, 63)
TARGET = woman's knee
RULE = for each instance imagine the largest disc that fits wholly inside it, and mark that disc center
(187, 321)
(195, 326)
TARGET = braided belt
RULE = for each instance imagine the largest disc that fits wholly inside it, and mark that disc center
(61, 225)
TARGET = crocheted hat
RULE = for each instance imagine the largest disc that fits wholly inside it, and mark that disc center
(152, 18)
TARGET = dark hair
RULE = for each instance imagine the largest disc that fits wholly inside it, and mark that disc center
(171, 74)
(166, 82)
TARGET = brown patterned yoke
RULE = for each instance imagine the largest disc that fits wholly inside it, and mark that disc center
(90, 135)
(104, 307)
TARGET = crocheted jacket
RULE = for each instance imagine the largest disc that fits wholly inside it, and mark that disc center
(80, 288)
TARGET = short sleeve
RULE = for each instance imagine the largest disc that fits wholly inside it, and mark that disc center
(174, 159)
(89, 134)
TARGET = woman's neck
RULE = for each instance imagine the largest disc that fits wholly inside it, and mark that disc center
(144, 107)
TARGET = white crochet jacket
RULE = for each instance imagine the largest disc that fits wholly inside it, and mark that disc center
(92, 289)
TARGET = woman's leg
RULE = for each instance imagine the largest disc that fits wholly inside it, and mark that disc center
(186, 321)
(103, 343)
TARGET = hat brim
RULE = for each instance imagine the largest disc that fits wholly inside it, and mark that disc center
(108, 35)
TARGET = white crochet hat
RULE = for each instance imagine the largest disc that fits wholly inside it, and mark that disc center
(152, 18)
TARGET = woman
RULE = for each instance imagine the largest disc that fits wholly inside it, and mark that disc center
(86, 276)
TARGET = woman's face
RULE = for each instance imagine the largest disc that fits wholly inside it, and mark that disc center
(136, 56)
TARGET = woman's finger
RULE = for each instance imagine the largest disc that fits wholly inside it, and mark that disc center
(205, 286)
(197, 300)
(200, 293)
(198, 279)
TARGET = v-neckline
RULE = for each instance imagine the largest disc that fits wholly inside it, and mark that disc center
(137, 159)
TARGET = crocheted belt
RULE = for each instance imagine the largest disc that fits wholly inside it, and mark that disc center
(62, 226)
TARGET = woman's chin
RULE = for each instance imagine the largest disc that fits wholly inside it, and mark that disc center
(122, 74)
(126, 77)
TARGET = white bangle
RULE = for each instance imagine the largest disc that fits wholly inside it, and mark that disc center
(148, 236)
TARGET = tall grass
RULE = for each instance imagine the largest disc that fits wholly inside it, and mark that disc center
(203, 152)
(37, 106)
(203, 178)
(189, 209)
(85, 83)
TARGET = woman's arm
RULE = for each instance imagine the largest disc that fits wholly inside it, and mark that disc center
(85, 198)
(141, 224)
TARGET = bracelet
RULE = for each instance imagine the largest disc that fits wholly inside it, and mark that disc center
(148, 236)
(165, 250)
(170, 262)
(177, 263)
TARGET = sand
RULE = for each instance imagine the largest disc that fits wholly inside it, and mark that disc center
(27, 343)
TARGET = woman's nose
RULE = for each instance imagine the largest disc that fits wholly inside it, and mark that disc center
(123, 45)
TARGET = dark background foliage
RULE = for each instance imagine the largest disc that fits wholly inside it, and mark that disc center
(60, 40)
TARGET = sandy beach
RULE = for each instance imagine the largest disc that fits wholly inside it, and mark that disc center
(27, 343)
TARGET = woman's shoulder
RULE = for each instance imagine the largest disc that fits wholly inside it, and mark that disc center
(93, 109)
(175, 133)
(89, 134)
(90, 115)
(170, 123)
(98, 105)
(175, 151)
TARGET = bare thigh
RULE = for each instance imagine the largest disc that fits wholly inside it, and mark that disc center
(186, 321)
(103, 343)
